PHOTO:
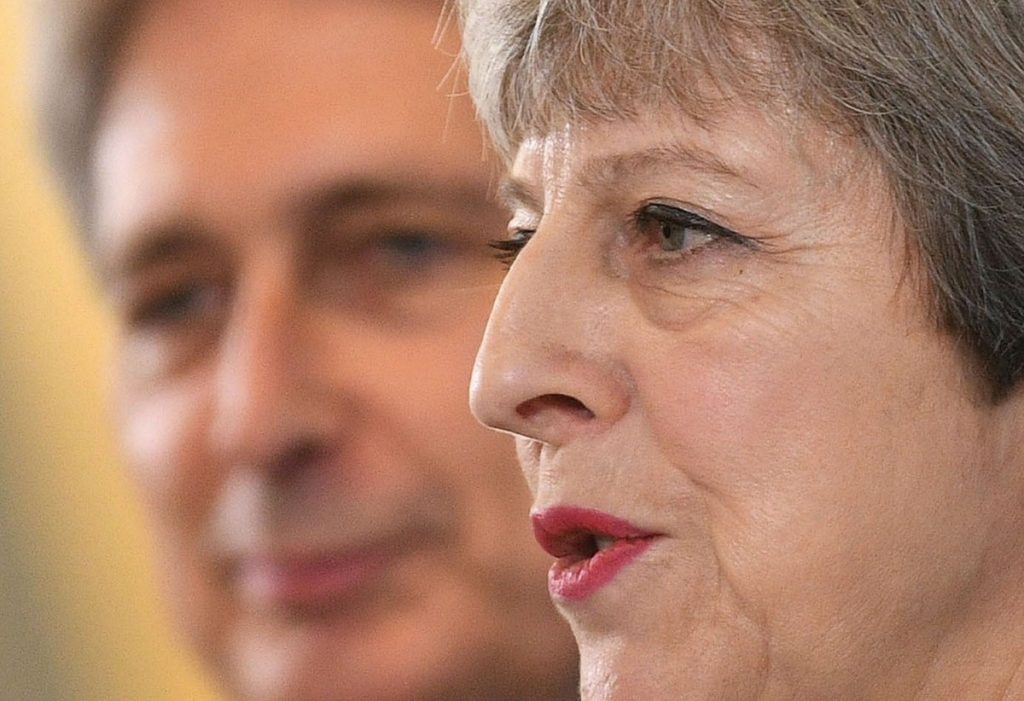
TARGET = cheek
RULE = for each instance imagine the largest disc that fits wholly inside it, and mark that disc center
(528, 454)
(752, 411)
(826, 453)
(779, 428)
(422, 387)
(434, 405)
(754, 401)
(163, 436)
(726, 391)
(430, 374)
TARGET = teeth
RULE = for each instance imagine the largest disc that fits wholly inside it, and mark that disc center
(603, 542)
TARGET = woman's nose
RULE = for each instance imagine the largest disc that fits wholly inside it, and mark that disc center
(547, 368)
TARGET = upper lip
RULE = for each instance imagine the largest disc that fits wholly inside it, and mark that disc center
(298, 577)
(298, 556)
(301, 562)
(578, 533)
(413, 525)
(297, 562)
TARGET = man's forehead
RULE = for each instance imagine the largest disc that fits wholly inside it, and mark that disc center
(258, 132)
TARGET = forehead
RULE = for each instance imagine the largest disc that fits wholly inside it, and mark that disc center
(745, 149)
(232, 103)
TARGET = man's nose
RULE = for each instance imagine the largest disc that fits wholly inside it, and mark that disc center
(257, 393)
(547, 368)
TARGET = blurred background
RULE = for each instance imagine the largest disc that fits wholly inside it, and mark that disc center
(79, 615)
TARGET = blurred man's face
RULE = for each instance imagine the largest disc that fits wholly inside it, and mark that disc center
(292, 219)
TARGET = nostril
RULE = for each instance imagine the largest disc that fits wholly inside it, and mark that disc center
(558, 403)
(298, 457)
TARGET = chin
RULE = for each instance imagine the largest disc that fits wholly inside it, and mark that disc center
(328, 673)
(654, 663)
(396, 650)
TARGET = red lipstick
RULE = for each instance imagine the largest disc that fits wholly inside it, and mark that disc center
(591, 546)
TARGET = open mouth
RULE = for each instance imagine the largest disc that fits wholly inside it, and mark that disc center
(592, 547)
(577, 545)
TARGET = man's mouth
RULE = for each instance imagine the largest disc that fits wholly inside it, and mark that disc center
(592, 547)
(309, 581)
(317, 580)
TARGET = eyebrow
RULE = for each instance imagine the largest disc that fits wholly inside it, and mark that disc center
(151, 247)
(323, 201)
(609, 172)
(515, 194)
(178, 238)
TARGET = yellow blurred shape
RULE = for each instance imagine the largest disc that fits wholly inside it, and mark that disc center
(79, 616)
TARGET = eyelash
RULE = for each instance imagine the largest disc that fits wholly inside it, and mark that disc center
(663, 216)
(506, 250)
(180, 306)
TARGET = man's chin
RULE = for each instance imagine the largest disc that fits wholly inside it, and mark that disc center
(321, 671)
(389, 648)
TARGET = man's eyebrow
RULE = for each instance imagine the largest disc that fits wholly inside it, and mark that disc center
(327, 199)
(609, 171)
(150, 247)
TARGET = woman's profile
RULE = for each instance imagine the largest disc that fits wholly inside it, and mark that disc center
(762, 337)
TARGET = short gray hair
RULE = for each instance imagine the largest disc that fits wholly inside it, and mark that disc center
(932, 89)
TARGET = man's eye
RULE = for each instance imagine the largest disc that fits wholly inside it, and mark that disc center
(394, 257)
(677, 230)
(410, 250)
(181, 305)
(386, 269)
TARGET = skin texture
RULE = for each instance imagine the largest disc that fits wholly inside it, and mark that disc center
(840, 516)
(291, 224)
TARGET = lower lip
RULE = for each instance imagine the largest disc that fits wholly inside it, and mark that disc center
(269, 582)
(575, 580)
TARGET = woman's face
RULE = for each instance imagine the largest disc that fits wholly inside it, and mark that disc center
(761, 468)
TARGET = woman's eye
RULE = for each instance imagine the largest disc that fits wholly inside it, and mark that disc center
(506, 250)
(681, 237)
(677, 230)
